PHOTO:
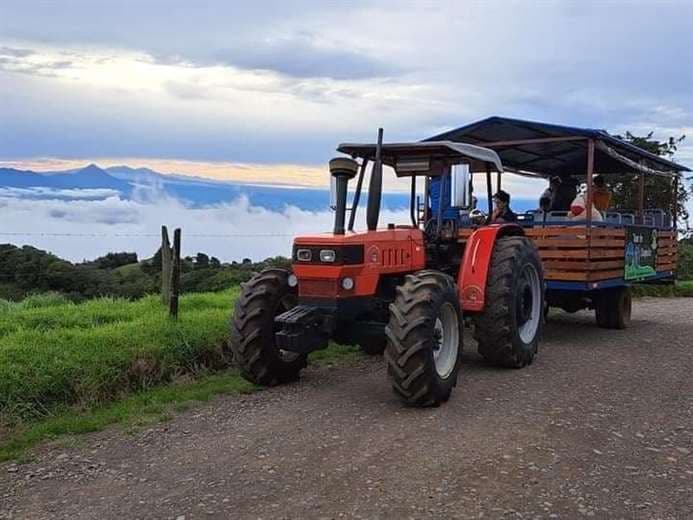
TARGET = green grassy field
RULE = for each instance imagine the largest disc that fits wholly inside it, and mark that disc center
(55, 353)
(70, 368)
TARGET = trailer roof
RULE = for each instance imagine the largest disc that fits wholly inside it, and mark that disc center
(438, 150)
(547, 149)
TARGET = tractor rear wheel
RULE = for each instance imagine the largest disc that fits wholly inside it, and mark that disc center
(612, 308)
(263, 298)
(424, 339)
(509, 329)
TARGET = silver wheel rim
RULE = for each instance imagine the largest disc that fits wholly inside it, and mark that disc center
(528, 330)
(446, 337)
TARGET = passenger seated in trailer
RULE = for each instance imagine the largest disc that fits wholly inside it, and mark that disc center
(501, 208)
(601, 196)
(558, 196)
(577, 209)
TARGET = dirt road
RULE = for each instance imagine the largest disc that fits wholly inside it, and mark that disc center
(600, 426)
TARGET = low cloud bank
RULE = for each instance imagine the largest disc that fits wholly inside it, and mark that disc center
(80, 228)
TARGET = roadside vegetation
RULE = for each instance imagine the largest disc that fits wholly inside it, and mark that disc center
(68, 368)
(26, 270)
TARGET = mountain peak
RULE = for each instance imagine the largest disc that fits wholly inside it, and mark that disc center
(92, 168)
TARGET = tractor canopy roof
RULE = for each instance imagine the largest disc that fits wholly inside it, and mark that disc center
(427, 157)
(544, 149)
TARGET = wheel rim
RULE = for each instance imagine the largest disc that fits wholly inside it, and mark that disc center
(446, 336)
(528, 304)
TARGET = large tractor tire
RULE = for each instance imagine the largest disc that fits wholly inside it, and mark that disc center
(253, 345)
(424, 339)
(509, 329)
(612, 308)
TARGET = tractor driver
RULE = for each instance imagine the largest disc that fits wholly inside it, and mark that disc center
(501, 208)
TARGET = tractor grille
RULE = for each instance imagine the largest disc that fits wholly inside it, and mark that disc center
(394, 256)
(318, 288)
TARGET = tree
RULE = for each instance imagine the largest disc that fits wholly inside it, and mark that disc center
(659, 192)
(201, 261)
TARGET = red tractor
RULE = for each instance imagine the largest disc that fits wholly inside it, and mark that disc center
(401, 289)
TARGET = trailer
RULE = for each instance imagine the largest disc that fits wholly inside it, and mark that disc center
(588, 264)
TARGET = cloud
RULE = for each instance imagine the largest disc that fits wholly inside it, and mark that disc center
(15, 53)
(264, 82)
(86, 229)
(52, 193)
(302, 56)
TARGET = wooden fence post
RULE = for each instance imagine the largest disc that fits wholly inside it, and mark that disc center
(165, 267)
(175, 276)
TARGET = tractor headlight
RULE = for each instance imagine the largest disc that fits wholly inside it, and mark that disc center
(293, 281)
(304, 255)
(328, 255)
(347, 284)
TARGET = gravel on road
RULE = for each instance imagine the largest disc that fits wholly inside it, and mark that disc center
(601, 425)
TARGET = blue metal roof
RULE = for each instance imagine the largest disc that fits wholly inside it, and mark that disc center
(553, 158)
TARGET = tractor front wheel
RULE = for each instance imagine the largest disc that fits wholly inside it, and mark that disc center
(263, 298)
(509, 329)
(424, 339)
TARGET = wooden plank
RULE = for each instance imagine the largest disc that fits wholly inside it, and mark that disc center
(574, 230)
(605, 275)
(584, 265)
(578, 242)
(566, 276)
(580, 253)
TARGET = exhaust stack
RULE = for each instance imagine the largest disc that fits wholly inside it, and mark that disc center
(375, 187)
(342, 169)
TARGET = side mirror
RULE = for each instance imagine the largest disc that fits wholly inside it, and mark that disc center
(460, 186)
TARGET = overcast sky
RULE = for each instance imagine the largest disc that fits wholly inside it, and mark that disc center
(281, 83)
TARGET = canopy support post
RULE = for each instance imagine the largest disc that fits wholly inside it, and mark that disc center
(641, 198)
(675, 206)
(590, 175)
(489, 190)
(412, 202)
(357, 195)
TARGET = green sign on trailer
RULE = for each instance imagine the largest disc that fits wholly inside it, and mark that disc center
(640, 253)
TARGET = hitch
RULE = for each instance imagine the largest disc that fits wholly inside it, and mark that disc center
(304, 329)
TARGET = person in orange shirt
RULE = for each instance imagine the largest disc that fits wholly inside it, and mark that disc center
(601, 196)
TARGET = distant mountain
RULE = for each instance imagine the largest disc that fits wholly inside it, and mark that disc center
(89, 177)
(193, 191)
(139, 175)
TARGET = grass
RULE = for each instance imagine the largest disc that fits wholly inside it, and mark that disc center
(142, 408)
(69, 368)
(55, 353)
(682, 288)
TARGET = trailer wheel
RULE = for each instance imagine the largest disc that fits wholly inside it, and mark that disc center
(509, 329)
(424, 339)
(253, 345)
(612, 308)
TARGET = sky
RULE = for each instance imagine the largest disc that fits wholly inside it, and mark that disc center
(264, 91)
(276, 85)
